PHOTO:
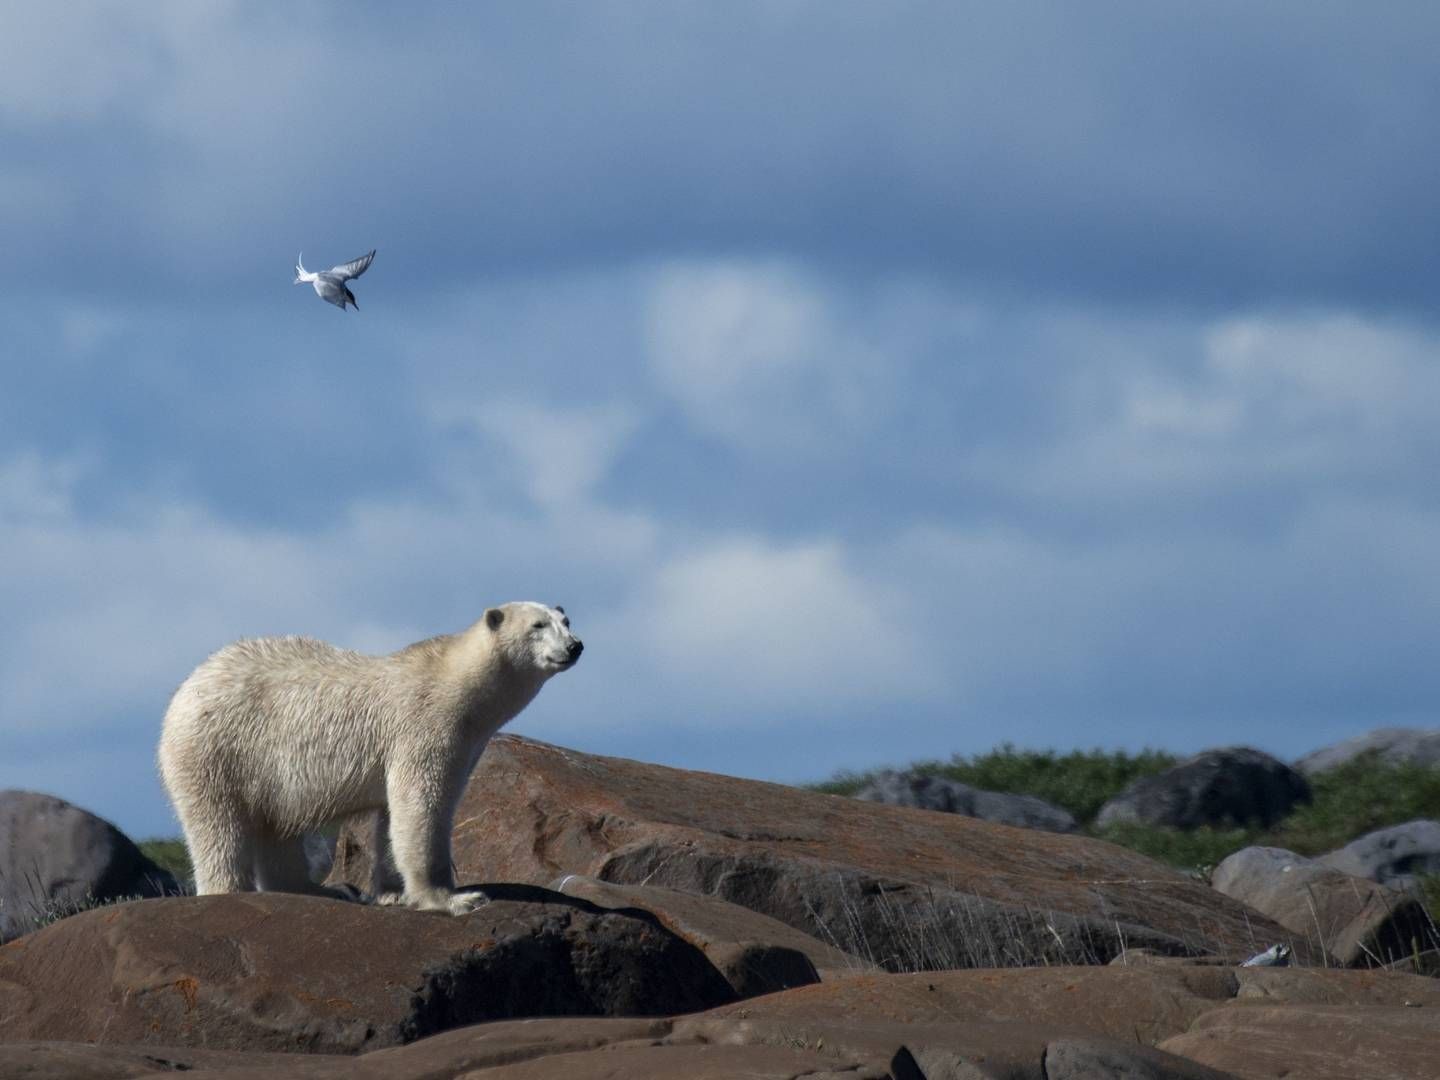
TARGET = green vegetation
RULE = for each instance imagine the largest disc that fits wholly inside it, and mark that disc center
(169, 854)
(1349, 801)
(1080, 781)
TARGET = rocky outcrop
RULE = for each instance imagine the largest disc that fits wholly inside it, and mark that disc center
(1360, 923)
(1394, 746)
(925, 792)
(56, 857)
(270, 971)
(755, 953)
(902, 888)
(1218, 788)
(1166, 1021)
(1395, 856)
(1344, 1042)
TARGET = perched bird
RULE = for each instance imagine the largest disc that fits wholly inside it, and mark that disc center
(330, 284)
(1275, 956)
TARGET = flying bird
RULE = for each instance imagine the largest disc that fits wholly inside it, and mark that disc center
(330, 284)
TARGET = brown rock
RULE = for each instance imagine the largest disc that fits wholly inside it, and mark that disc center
(693, 1062)
(84, 1061)
(1106, 1059)
(1314, 1042)
(1313, 986)
(904, 888)
(1144, 1004)
(1357, 921)
(271, 971)
(755, 953)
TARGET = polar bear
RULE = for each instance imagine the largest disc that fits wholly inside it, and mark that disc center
(271, 738)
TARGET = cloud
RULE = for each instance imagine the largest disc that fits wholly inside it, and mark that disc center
(756, 354)
(748, 628)
(1231, 408)
(561, 454)
(1133, 162)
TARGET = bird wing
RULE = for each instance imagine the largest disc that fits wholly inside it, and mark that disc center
(354, 268)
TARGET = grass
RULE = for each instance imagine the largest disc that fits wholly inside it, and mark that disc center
(169, 854)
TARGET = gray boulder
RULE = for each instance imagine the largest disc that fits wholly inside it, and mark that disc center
(952, 797)
(1418, 746)
(1393, 856)
(55, 856)
(1224, 788)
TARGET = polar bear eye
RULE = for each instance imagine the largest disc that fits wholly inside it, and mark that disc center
(537, 626)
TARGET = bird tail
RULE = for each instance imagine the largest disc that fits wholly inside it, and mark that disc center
(300, 274)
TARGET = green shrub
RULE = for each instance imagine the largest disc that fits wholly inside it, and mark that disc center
(169, 854)
(1081, 781)
(1358, 797)
(1193, 850)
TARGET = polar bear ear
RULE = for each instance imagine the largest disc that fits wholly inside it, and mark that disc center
(560, 609)
(494, 617)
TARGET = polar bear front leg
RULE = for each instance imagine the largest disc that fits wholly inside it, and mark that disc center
(422, 803)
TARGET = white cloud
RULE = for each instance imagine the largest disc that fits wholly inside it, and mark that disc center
(562, 453)
(759, 355)
(1241, 404)
(748, 624)
(34, 488)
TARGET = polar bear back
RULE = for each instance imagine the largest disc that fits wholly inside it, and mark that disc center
(295, 730)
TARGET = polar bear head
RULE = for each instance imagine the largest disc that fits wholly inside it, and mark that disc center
(534, 636)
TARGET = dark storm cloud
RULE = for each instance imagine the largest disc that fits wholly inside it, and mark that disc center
(1239, 153)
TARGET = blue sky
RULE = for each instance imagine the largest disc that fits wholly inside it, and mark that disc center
(869, 381)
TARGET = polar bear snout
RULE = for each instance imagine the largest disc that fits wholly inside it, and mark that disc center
(573, 648)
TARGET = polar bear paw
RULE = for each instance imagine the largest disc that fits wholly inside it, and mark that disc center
(455, 903)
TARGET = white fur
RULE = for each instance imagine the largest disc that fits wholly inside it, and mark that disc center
(272, 737)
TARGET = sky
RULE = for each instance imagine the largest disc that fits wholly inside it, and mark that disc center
(870, 382)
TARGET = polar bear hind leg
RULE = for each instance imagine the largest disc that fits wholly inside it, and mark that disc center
(222, 849)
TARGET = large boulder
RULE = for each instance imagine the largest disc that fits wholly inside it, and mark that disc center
(1395, 856)
(1358, 922)
(755, 953)
(1345, 1042)
(926, 792)
(56, 857)
(902, 888)
(1219, 788)
(1392, 745)
(273, 971)
(1016, 1024)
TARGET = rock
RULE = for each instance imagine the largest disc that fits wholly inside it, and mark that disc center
(276, 971)
(1347, 1042)
(952, 797)
(1106, 1059)
(1394, 746)
(1141, 1004)
(1357, 921)
(1017, 1024)
(55, 857)
(698, 1061)
(755, 953)
(1219, 788)
(87, 1061)
(1321, 986)
(1393, 856)
(902, 888)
